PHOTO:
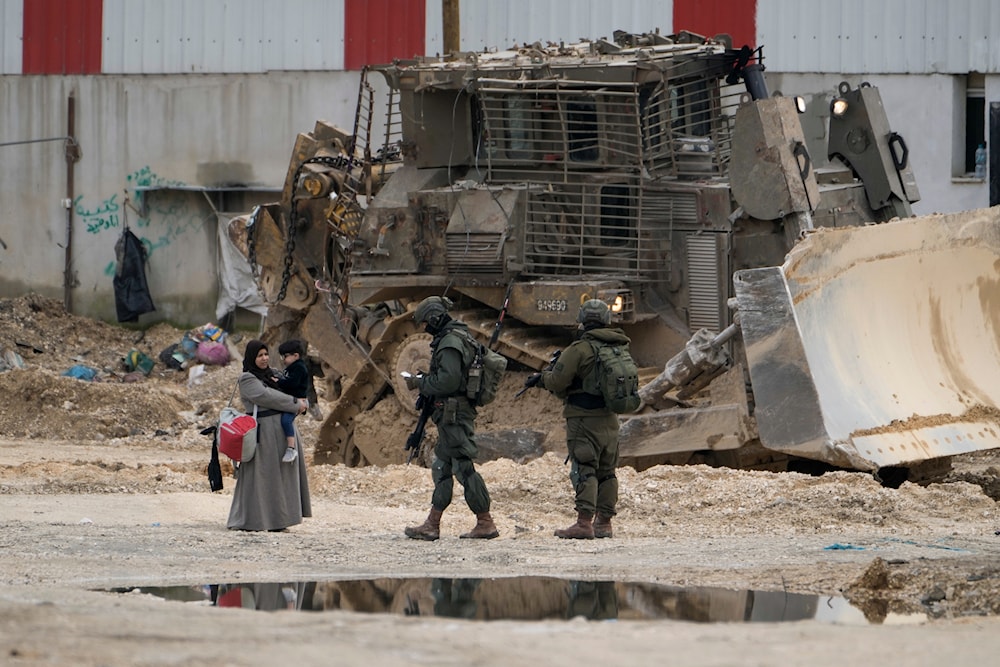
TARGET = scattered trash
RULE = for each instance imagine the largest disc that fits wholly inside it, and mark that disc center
(136, 360)
(206, 344)
(212, 353)
(10, 360)
(196, 375)
(81, 372)
(84, 521)
(837, 546)
(33, 348)
(173, 357)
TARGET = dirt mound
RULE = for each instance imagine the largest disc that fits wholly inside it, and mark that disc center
(42, 402)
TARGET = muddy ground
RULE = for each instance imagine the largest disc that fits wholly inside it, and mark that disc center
(103, 486)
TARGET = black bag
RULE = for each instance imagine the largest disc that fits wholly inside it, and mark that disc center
(132, 297)
(214, 467)
(168, 357)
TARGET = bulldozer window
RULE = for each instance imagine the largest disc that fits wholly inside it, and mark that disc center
(485, 146)
(615, 214)
(655, 126)
(691, 109)
(582, 131)
(519, 131)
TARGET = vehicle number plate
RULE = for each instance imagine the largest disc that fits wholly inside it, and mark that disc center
(557, 305)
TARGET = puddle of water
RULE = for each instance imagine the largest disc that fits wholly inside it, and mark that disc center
(529, 599)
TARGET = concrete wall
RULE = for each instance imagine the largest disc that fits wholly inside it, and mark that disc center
(138, 133)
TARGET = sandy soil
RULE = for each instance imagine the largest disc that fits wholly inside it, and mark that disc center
(103, 486)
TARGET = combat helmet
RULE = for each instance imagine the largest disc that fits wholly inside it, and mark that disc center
(433, 311)
(594, 312)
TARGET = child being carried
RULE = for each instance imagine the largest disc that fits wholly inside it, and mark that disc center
(295, 382)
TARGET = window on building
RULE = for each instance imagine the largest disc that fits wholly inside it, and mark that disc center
(975, 118)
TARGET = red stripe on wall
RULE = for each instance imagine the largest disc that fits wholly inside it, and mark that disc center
(62, 36)
(379, 31)
(738, 18)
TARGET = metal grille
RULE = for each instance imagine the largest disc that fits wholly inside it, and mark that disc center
(474, 254)
(678, 127)
(679, 208)
(585, 228)
(577, 124)
(703, 282)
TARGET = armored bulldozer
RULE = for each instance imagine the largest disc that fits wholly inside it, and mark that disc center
(786, 315)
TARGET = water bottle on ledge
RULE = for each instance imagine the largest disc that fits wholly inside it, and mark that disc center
(981, 161)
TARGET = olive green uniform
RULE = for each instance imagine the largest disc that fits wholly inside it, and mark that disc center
(591, 427)
(455, 418)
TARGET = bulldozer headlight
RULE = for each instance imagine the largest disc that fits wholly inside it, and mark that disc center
(838, 107)
(617, 304)
(800, 103)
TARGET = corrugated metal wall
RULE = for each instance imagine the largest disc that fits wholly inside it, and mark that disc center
(222, 36)
(488, 24)
(888, 36)
(379, 31)
(62, 37)
(710, 17)
(11, 20)
(214, 36)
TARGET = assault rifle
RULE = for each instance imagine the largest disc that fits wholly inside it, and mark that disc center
(426, 407)
(535, 379)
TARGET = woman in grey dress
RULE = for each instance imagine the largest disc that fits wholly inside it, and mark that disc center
(269, 494)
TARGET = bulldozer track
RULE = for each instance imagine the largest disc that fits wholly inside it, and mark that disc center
(336, 442)
(361, 393)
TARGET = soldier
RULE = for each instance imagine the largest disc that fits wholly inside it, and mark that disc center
(591, 427)
(454, 415)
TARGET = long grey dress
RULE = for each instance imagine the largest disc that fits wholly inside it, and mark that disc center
(269, 494)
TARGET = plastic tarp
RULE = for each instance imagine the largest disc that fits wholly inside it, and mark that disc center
(236, 283)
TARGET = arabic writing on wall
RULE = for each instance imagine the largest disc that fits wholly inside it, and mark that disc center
(174, 217)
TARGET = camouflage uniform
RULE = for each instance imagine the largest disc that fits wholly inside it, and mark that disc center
(455, 419)
(591, 428)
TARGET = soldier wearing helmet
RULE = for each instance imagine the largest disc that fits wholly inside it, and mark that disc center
(591, 427)
(445, 385)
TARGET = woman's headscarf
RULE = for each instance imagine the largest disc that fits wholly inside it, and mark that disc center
(250, 360)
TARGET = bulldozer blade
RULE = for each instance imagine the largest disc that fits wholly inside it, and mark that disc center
(879, 346)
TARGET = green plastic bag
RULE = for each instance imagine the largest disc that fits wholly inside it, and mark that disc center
(137, 361)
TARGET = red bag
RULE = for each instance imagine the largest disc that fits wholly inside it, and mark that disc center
(238, 434)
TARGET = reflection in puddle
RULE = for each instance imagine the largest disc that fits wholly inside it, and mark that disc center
(528, 599)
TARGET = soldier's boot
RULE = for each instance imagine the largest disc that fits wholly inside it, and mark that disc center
(583, 529)
(429, 530)
(602, 526)
(484, 529)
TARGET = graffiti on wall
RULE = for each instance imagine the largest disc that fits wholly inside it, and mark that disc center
(104, 215)
(175, 217)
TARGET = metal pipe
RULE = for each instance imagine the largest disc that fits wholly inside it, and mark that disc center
(451, 26)
(71, 157)
(34, 141)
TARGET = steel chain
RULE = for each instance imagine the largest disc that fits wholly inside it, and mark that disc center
(335, 162)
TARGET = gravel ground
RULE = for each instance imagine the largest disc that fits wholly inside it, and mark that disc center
(103, 486)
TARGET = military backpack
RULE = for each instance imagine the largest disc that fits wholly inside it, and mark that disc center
(485, 373)
(615, 377)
